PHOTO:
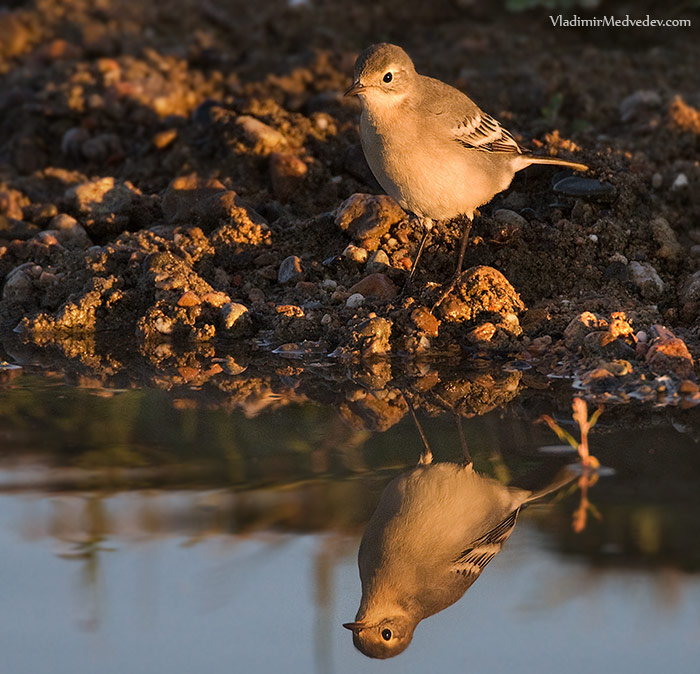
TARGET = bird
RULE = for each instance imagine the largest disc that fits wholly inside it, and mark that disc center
(430, 147)
(435, 529)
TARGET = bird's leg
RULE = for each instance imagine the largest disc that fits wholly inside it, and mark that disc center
(463, 441)
(460, 260)
(426, 455)
(428, 227)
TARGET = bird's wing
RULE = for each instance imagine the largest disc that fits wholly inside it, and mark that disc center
(480, 552)
(479, 131)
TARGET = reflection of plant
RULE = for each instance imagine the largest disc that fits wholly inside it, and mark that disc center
(589, 477)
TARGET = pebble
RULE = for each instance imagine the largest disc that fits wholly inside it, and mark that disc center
(235, 319)
(375, 286)
(425, 321)
(102, 198)
(690, 291)
(354, 301)
(633, 104)
(70, 232)
(669, 248)
(327, 319)
(19, 286)
(668, 354)
(646, 278)
(374, 335)
(164, 138)
(574, 186)
(680, 183)
(260, 133)
(287, 173)
(357, 254)
(368, 217)
(290, 270)
(189, 299)
(329, 284)
(184, 197)
(505, 216)
(378, 261)
(657, 180)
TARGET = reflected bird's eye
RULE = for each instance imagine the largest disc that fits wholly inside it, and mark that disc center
(386, 634)
(387, 78)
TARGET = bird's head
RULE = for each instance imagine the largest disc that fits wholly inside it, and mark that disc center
(384, 639)
(384, 75)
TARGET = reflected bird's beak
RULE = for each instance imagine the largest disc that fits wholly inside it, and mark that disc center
(354, 626)
(355, 89)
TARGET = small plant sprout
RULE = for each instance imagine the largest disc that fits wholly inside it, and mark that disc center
(585, 424)
(590, 463)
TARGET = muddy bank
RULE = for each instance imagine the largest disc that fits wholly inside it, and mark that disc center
(190, 175)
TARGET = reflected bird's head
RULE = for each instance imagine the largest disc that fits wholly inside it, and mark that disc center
(384, 75)
(382, 640)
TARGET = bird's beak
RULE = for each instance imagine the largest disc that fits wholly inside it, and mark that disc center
(354, 626)
(355, 89)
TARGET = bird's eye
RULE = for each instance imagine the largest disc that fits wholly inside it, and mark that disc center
(386, 633)
(387, 78)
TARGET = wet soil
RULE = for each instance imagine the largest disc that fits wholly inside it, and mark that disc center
(189, 176)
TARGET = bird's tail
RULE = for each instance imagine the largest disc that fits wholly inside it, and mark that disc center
(528, 160)
(561, 479)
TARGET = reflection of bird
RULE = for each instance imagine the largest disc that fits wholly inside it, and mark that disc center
(430, 147)
(435, 529)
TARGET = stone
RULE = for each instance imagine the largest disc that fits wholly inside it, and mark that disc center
(373, 337)
(235, 320)
(287, 174)
(375, 286)
(657, 180)
(378, 261)
(669, 248)
(260, 134)
(635, 103)
(425, 321)
(102, 198)
(690, 291)
(668, 354)
(19, 283)
(484, 294)
(646, 278)
(505, 216)
(680, 183)
(574, 186)
(368, 217)
(355, 301)
(481, 334)
(70, 233)
(189, 299)
(357, 254)
(290, 270)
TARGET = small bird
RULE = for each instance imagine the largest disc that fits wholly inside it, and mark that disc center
(435, 529)
(430, 146)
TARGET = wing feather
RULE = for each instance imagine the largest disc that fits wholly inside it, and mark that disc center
(482, 132)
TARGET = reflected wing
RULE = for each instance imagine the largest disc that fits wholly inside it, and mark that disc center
(482, 132)
(472, 560)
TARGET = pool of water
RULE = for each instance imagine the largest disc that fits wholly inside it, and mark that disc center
(143, 532)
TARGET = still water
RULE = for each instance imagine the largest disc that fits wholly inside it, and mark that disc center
(141, 532)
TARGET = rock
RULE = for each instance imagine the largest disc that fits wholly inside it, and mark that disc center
(657, 180)
(354, 301)
(263, 136)
(504, 216)
(574, 186)
(378, 261)
(71, 234)
(187, 197)
(668, 354)
(646, 278)
(72, 141)
(102, 197)
(189, 299)
(684, 117)
(164, 139)
(11, 202)
(287, 173)
(669, 248)
(643, 99)
(353, 253)
(372, 336)
(604, 343)
(19, 283)
(481, 334)
(690, 291)
(425, 321)
(484, 294)
(375, 286)
(290, 270)
(579, 327)
(680, 183)
(235, 319)
(368, 217)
